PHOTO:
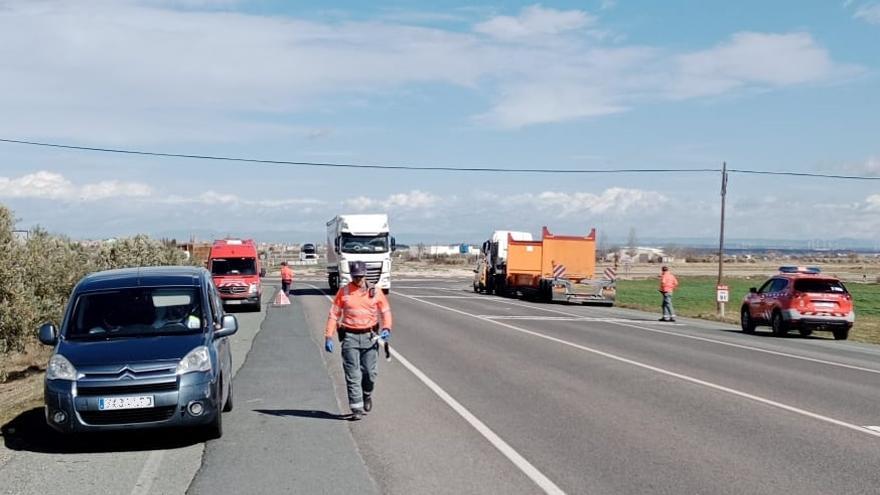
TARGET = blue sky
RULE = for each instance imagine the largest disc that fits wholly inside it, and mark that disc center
(783, 86)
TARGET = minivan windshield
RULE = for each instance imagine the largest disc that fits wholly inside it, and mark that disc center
(234, 266)
(136, 312)
(364, 243)
(823, 286)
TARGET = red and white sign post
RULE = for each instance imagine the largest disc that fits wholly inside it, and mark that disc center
(722, 295)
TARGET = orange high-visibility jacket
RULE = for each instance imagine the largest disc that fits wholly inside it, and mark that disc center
(354, 308)
(286, 273)
(668, 282)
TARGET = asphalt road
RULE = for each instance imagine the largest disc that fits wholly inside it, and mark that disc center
(493, 395)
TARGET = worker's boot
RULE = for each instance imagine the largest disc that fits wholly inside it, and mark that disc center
(356, 415)
(368, 403)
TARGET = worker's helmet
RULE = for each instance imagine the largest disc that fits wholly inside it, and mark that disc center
(283, 263)
(665, 268)
(357, 268)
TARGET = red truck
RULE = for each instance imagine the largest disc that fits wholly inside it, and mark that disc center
(236, 269)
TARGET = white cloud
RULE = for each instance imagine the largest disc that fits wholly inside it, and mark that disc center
(615, 200)
(50, 185)
(870, 167)
(215, 198)
(869, 13)
(127, 72)
(413, 200)
(752, 58)
(534, 21)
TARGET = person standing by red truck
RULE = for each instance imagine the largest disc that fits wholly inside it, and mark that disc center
(286, 277)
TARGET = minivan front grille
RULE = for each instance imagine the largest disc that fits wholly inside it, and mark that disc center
(128, 416)
(125, 389)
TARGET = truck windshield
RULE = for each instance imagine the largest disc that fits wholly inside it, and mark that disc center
(234, 266)
(137, 312)
(364, 243)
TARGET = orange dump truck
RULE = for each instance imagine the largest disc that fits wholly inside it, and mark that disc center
(556, 268)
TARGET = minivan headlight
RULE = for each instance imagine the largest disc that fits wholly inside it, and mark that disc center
(196, 360)
(60, 368)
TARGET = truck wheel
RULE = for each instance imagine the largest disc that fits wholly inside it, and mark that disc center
(780, 328)
(333, 282)
(841, 333)
(746, 321)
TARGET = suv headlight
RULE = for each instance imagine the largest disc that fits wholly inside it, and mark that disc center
(252, 289)
(197, 359)
(60, 368)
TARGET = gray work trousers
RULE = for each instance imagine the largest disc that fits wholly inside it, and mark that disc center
(359, 360)
(668, 312)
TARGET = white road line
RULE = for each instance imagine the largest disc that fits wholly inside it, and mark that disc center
(874, 428)
(714, 386)
(444, 297)
(623, 322)
(148, 473)
(519, 461)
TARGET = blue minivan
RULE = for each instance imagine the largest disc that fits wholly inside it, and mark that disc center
(141, 348)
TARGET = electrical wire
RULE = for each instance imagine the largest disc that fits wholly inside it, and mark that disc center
(369, 166)
(442, 168)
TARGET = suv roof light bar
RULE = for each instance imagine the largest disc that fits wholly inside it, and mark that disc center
(800, 269)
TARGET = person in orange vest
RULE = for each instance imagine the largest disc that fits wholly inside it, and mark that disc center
(668, 283)
(286, 277)
(355, 315)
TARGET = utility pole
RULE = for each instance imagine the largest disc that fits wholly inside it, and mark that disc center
(719, 298)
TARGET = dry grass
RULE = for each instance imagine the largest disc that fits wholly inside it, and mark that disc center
(18, 396)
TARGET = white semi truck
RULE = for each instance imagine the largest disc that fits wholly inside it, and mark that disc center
(364, 238)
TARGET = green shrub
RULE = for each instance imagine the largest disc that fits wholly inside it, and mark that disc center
(38, 274)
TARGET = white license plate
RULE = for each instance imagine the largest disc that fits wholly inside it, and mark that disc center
(824, 305)
(233, 301)
(140, 402)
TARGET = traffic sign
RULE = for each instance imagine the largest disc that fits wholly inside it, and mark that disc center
(722, 293)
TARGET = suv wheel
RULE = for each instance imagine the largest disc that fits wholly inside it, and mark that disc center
(745, 320)
(841, 333)
(780, 328)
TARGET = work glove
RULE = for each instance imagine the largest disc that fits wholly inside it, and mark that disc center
(328, 345)
(385, 334)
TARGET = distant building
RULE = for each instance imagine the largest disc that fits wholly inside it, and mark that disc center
(639, 255)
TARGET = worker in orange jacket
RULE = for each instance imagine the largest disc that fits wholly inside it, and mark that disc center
(668, 283)
(355, 315)
(286, 277)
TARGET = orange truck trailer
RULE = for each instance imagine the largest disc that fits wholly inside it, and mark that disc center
(556, 268)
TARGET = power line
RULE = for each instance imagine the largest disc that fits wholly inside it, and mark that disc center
(438, 168)
(804, 174)
(369, 166)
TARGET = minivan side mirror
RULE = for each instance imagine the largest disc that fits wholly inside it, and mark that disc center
(48, 334)
(228, 326)
(753, 290)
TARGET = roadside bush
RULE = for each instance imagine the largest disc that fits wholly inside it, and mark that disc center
(39, 273)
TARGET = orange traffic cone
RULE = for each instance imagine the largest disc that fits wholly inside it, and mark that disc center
(281, 299)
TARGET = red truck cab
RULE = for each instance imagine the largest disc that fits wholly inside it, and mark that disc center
(236, 269)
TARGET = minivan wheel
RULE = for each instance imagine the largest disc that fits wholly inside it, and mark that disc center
(214, 429)
(228, 405)
(778, 325)
(745, 320)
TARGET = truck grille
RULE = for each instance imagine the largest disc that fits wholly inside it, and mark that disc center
(128, 416)
(374, 271)
(232, 289)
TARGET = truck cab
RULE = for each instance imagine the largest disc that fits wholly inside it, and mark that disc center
(364, 238)
(236, 269)
(492, 262)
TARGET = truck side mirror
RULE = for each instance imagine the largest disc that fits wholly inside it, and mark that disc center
(393, 244)
(262, 272)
